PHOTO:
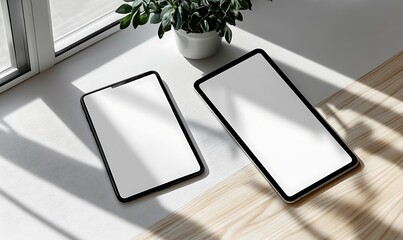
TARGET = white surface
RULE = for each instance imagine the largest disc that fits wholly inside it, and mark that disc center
(50, 169)
(140, 136)
(349, 37)
(275, 124)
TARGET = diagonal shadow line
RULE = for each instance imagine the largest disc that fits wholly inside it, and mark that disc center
(55, 87)
(37, 216)
(356, 215)
(62, 171)
(181, 228)
(216, 133)
(225, 137)
(372, 109)
(389, 75)
(57, 169)
(365, 108)
(61, 111)
(343, 47)
(368, 143)
(316, 233)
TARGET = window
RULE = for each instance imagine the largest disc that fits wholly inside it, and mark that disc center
(14, 54)
(5, 58)
(35, 34)
(75, 21)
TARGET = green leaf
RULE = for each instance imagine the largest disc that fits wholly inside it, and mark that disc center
(166, 9)
(193, 6)
(128, 0)
(239, 17)
(167, 17)
(194, 21)
(184, 14)
(230, 18)
(219, 24)
(228, 34)
(185, 6)
(205, 26)
(203, 11)
(220, 14)
(204, 3)
(143, 19)
(212, 18)
(153, 8)
(124, 9)
(214, 8)
(167, 20)
(178, 20)
(235, 7)
(221, 32)
(160, 31)
(136, 19)
(156, 18)
(181, 10)
(167, 28)
(125, 22)
(245, 4)
(225, 5)
(137, 3)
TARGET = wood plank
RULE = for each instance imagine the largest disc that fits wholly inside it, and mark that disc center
(365, 204)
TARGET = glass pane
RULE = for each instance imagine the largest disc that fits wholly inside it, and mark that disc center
(5, 60)
(14, 51)
(75, 19)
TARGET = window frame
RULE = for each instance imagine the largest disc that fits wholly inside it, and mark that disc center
(40, 42)
(22, 11)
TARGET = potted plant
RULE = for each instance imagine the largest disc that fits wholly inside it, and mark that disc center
(199, 24)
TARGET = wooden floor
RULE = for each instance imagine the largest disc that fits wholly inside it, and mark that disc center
(365, 204)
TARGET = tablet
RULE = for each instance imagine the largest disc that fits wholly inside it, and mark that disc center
(283, 135)
(142, 140)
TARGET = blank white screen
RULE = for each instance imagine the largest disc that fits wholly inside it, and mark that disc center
(275, 124)
(140, 136)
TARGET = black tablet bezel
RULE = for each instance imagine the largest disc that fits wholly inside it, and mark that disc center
(354, 160)
(181, 124)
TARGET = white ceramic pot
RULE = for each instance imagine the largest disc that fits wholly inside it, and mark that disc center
(197, 45)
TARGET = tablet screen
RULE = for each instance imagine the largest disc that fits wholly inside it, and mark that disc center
(280, 133)
(143, 142)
